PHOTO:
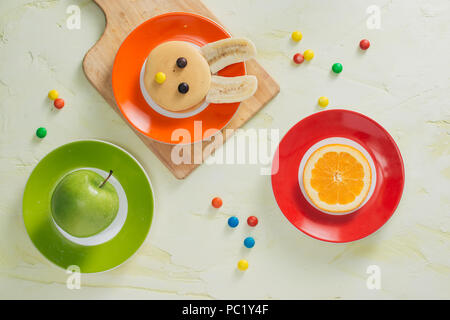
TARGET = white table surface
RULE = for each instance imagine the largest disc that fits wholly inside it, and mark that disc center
(402, 82)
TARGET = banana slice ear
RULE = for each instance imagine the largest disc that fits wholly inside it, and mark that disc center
(231, 89)
(224, 52)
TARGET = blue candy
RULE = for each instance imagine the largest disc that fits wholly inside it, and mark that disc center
(249, 242)
(233, 222)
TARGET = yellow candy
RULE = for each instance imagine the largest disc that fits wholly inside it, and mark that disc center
(308, 54)
(323, 102)
(242, 265)
(160, 77)
(53, 94)
(297, 36)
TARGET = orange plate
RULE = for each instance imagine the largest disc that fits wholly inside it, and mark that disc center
(127, 67)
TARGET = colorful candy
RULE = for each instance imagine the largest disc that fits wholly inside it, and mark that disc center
(249, 242)
(298, 58)
(181, 62)
(216, 202)
(252, 221)
(41, 132)
(337, 67)
(308, 54)
(233, 222)
(59, 103)
(323, 102)
(296, 36)
(364, 44)
(242, 265)
(53, 94)
(183, 88)
(160, 77)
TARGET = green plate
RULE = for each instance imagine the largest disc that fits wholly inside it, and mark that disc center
(44, 233)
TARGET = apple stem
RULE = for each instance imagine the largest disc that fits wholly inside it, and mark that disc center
(107, 178)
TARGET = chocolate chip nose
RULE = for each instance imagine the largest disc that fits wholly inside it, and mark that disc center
(181, 62)
(183, 87)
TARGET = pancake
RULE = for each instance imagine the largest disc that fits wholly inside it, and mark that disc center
(196, 74)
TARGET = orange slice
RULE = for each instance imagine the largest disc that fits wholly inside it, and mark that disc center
(337, 178)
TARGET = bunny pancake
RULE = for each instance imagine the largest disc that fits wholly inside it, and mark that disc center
(184, 68)
(178, 75)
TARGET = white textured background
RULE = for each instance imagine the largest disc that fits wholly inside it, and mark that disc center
(402, 82)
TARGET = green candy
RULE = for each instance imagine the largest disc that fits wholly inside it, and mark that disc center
(41, 132)
(337, 68)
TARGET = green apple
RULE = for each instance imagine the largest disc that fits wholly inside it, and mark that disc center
(84, 203)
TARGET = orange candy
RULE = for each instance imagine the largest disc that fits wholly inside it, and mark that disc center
(59, 103)
(216, 202)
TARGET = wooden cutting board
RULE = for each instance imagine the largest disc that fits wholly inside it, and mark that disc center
(122, 17)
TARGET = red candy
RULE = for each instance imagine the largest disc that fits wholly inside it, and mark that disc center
(59, 103)
(252, 221)
(364, 44)
(216, 202)
(298, 58)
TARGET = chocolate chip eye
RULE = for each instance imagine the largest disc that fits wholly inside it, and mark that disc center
(183, 88)
(181, 62)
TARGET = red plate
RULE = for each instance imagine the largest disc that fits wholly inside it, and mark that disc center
(174, 26)
(388, 165)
